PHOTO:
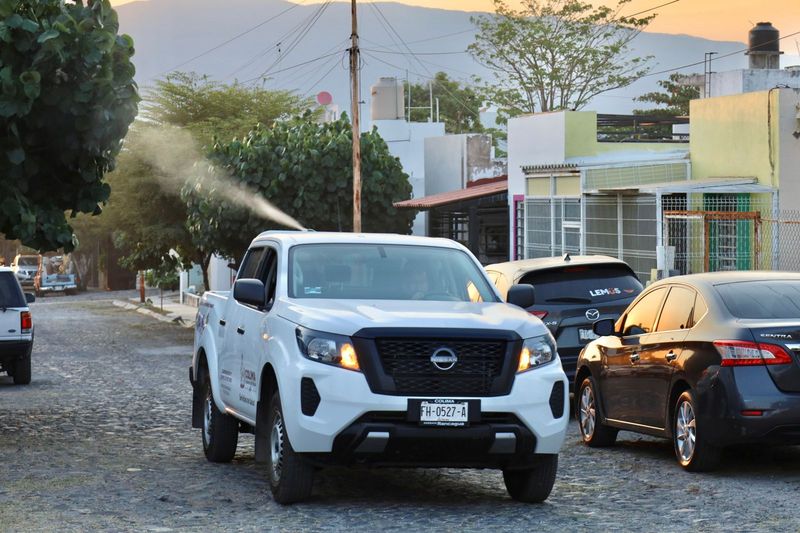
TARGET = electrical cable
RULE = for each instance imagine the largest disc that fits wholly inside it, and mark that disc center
(736, 52)
(440, 85)
(293, 44)
(237, 36)
(295, 30)
(311, 88)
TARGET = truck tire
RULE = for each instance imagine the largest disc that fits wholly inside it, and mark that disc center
(532, 485)
(291, 478)
(22, 370)
(220, 431)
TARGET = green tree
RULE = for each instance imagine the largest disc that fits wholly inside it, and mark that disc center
(303, 168)
(459, 105)
(145, 213)
(68, 97)
(673, 101)
(555, 54)
(209, 109)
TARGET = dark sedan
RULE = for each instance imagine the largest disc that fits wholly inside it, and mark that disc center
(707, 360)
(572, 292)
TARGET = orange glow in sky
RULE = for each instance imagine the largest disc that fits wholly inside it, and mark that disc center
(725, 20)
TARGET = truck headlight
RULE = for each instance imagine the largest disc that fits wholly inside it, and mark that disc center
(536, 351)
(327, 348)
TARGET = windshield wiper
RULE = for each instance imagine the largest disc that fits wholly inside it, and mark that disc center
(570, 299)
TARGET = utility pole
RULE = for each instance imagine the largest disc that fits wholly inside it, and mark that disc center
(354, 104)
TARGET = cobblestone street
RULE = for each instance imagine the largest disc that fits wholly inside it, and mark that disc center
(101, 439)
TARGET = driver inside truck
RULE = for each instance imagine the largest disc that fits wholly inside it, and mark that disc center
(416, 281)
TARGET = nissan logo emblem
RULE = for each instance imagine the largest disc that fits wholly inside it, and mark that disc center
(592, 314)
(444, 358)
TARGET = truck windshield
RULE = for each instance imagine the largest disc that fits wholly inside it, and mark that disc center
(385, 272)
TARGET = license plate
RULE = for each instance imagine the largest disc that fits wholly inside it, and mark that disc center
(443, 413)
(587, 335)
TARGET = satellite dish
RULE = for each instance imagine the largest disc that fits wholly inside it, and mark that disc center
(324, 98)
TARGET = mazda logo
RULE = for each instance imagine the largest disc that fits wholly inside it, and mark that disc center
(592, 314)
(444, 358)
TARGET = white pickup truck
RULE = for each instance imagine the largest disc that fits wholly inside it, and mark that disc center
(377, 350)
(16, 328)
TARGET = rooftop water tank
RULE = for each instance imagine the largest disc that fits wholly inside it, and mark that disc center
(387, 100)
(764, 46)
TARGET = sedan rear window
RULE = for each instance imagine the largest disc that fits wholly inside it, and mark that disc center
(772, 299)
(583, 284)
(10, 292)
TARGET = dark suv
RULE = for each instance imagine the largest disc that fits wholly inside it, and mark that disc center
(572, 293)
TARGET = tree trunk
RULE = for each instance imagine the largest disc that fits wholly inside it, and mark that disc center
(205, 260)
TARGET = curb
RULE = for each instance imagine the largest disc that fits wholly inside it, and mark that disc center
(171, 318)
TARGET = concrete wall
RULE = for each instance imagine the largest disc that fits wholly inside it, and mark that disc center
(406, 141)
(452, 161)
(750, 80)
(789, 149)
(730, 137)
(445, 164)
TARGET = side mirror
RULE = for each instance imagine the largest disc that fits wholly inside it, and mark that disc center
(522, 294)
(29, 297)
(249, 292)
(604, 327)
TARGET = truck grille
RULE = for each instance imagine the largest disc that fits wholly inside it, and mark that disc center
(408, 363)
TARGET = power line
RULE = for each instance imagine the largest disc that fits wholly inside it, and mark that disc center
(237, 36)
(311, 88)
(736, 52)
(440, 85)
(293, 44)
(652, 8)
(295, 66)
(279, 41)
(417, 53)
(305, 74)
(429, 77)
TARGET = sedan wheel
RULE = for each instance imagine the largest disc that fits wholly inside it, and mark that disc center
(593, 432)
(685, 432)
(692, 449)
(587, 412)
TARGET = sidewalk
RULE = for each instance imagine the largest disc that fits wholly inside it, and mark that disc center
(180, 314)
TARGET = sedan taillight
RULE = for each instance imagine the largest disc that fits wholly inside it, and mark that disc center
(539, 314)
(25, 322)
(743, 353)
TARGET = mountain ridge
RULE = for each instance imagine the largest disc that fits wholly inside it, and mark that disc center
(170, 34)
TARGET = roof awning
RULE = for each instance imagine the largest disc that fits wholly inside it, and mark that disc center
(712, 185)
(452, 197)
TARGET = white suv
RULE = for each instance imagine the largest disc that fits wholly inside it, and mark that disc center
(381, 350)
(16, 328)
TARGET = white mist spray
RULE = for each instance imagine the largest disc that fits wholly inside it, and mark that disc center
(174, 153)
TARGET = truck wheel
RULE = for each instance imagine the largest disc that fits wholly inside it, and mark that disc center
(290, 476)
(220, 431)
(22, 370)
(532, 485)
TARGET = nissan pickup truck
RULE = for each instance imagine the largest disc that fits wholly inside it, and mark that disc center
(16, 328)
(376, 350)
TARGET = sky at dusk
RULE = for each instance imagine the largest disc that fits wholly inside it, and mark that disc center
(727, 20)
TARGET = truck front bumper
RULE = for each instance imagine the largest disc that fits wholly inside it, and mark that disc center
(353, 424)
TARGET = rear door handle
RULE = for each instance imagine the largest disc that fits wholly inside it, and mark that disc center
(634, 357)
(671, 356)
(240, 331)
